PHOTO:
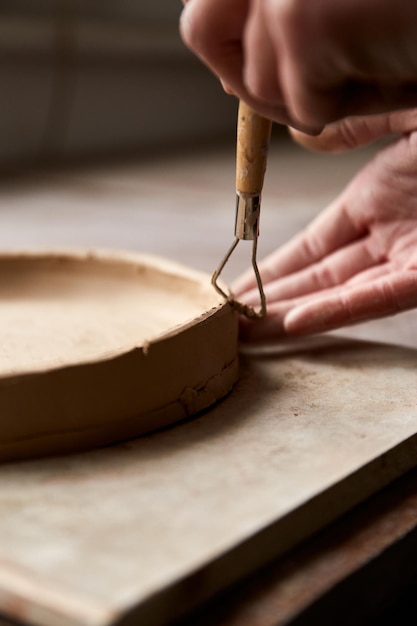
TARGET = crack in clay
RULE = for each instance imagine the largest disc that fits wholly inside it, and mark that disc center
(192, 400)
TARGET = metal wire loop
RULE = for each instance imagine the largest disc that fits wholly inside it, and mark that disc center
(242, 308)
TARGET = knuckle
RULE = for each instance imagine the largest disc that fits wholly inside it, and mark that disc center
(311, 246)
(348, 134)
(323, 276)
(295, 17)
(389, 297)
(286, 10)
(260, 88)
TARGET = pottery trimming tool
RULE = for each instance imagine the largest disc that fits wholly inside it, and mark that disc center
(253, 136)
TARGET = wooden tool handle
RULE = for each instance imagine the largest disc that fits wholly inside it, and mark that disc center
(253, 135)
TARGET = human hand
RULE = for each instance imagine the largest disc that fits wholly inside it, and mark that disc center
(309, 63)
(356, 261)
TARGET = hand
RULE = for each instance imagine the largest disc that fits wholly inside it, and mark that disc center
(309, 63)
(358, 259)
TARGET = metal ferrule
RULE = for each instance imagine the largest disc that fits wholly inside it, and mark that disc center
(247, 215)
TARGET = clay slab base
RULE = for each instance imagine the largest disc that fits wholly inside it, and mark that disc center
(141, 532)
(100, 348)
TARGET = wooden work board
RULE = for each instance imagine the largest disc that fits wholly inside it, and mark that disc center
(141, 533)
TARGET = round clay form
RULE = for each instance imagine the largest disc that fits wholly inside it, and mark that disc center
(100, 348)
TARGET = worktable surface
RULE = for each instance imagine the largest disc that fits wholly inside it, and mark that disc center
(182, 207)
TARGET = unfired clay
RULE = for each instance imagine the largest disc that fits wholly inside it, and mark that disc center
(100, 348)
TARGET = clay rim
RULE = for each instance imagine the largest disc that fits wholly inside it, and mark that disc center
(128, 258)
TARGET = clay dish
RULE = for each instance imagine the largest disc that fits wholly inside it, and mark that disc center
(99, 348)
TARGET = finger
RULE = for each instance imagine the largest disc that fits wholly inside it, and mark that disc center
(355, 132)
(260, 70)
(335, 308)
(331, 230)
(269, 328)
(272, 326)
(385, 296)
(312, 106)
(332, 271)
(334, 80)
(214, 31)
(370, 274)
(207, 29)
(356, 99)
(298, 70)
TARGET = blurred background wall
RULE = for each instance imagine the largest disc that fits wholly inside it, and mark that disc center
(101, 77)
